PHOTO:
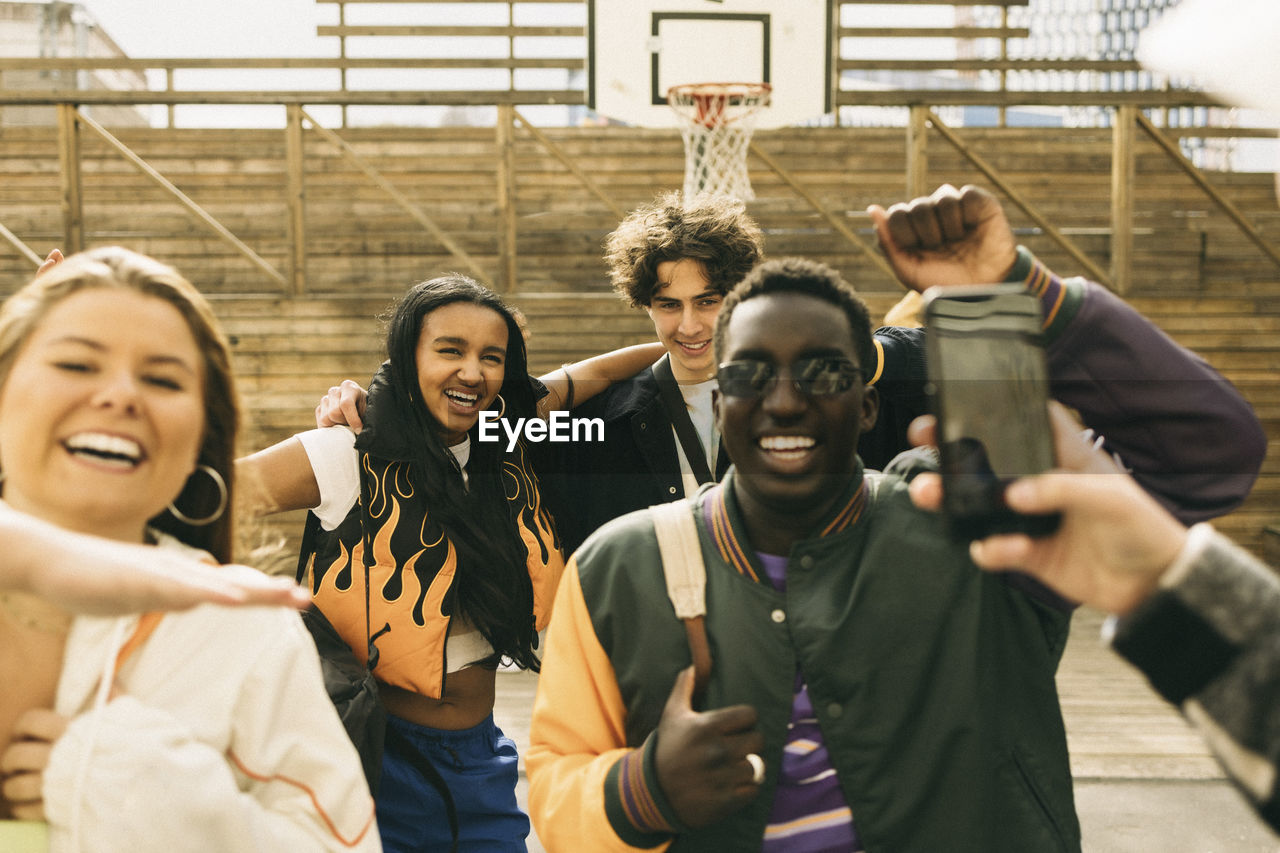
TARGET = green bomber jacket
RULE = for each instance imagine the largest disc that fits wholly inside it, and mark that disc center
(933, 681)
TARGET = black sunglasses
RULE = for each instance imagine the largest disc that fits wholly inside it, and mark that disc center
(818, 377)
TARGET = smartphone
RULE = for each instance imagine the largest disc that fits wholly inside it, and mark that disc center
(990, 389)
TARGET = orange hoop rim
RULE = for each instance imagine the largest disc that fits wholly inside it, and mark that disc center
(713, 88)
(717, 105)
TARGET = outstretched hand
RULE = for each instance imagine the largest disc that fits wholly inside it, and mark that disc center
(1114, 541)
(85, 574)
(343, 406)
(948, 238)
(701, 756)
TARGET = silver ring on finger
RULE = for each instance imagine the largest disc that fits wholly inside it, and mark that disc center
(757, 768)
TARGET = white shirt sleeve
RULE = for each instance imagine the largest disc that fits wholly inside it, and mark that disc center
(336, 465)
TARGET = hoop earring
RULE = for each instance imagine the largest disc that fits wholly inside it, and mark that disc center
(222, 500)
(502, 406)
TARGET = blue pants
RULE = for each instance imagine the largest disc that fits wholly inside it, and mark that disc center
(479, 767)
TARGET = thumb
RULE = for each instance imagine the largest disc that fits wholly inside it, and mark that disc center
(880, 220)
(1043, 493)
(680, 701)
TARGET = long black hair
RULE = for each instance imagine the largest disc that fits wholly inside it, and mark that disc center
(492, 583)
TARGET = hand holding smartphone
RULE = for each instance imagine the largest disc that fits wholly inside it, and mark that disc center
(990, 390)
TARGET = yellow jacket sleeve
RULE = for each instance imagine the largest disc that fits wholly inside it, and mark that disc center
(578, 761)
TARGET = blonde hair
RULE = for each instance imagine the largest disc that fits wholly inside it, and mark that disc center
(117, 268)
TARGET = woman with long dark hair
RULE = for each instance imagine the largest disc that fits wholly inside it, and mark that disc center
(461, 554)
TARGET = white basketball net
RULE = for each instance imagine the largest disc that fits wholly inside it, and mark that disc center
(716, 122)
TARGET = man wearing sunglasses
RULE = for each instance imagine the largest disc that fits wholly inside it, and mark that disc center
(868, 686)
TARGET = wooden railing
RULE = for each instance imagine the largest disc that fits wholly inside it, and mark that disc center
(1125, 109)
(924, 124)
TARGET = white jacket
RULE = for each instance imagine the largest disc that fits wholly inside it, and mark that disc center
(217, 735)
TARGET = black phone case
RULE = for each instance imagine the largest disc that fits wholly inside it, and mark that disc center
(973, 494)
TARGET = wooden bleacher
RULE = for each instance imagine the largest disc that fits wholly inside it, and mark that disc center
(1195, 273)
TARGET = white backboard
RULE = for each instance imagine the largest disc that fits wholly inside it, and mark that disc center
(637, 49)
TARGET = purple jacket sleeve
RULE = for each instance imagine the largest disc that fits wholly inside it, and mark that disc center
(1184, 431)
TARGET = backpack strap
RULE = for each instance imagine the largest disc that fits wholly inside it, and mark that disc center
(686, 576)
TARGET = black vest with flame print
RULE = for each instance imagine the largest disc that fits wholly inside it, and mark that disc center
(412, 567)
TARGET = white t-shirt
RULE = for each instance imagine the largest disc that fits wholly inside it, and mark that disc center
(697, 398)
(336, 465)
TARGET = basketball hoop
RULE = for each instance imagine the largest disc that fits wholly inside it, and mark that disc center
(716, 123)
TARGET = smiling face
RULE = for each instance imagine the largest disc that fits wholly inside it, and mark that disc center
(461, 360)
(683, 310)
(794, 452)
(102, 413)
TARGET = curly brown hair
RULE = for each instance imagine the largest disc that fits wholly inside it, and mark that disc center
(714, 229)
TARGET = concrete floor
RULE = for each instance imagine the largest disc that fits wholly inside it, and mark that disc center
(1144, 781)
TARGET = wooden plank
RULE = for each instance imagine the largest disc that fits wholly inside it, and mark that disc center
(194, 209)
(448, 31)
(862, 245)
(974, 65)
(50, 97)
(1196, 175)
(71, 179)
(414, 210)
(22, 248)
(296, 199)
(967, 97)
(840, 2)
(935, 32)
(66, 63)
(1122, 199)
(512, 2)
(918, 152)
(560, 155)
(508, 278)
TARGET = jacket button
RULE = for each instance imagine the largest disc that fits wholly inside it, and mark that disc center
(806, 562)
(778, 616)
(643, 425)
(835, 710)
(671, 490)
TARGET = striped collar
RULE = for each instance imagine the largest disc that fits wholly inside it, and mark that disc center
(728, 532)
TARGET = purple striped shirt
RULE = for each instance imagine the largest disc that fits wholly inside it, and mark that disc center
(809, 812)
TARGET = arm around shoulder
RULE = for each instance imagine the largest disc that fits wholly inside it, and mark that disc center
(578, 382)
